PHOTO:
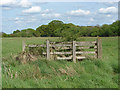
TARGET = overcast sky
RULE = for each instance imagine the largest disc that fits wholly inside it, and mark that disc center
(22, 14)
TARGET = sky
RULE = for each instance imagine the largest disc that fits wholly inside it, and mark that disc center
(23, 14)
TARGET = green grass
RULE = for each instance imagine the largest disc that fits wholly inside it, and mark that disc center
(99, 73)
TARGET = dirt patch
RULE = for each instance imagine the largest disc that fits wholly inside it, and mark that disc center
(63, 71)
(25, 57)
(71, 71)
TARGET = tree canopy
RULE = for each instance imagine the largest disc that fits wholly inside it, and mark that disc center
(70, 31)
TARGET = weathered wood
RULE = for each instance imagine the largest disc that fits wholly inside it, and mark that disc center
(60, 42)
(36, 45)
(74, 52)
(83, 48)
(60, 45)
(81, 57)
(95, 47)
(63, 48)
(63, 58)
(77, 44)
(56, 46)
(48, 49)
(58, 53)
(23, 46)
(78, 52)
(85, 44)
(85, 52)
(70, 57)
(94, 42)
(99, 48)
(86, 47)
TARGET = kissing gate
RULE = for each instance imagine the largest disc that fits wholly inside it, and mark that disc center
(70, 50)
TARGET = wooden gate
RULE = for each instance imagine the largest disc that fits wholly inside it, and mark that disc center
(71, 50)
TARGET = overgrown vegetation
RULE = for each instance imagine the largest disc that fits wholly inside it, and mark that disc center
(42, 73)
(57, 28)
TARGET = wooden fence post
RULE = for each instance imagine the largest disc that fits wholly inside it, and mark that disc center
(74, 51)
(48, 49)
(23, 45)
(99, 47)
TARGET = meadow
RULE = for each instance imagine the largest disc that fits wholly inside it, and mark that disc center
(89, 73)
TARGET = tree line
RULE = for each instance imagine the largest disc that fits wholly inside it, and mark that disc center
(57, 28)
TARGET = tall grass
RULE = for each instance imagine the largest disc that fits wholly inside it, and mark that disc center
(97, 73)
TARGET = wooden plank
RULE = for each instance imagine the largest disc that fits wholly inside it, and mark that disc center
(85, 52)
(60, 42)
(95, 47)
(68, 58)
(99, 48)
(58, 53)
(61, 48)
(81, 57)
(23, 46)
(86, 47)
(65, 48)
(78, 52)
(85, 44)
(83, 48)
(60, 45)
(48, 49)
(74, 52)
(94, 42)
(36, 45)
(63, 58)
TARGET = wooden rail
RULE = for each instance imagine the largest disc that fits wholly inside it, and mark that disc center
(71, 50)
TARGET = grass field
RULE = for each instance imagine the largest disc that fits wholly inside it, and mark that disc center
(97, 73)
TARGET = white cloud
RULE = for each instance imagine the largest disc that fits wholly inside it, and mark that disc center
(47, 10)
(79, 12)
(18, 18)
(113, 20)
(7, 2)
(18, 22)
(15, 3)
(33, 9)
(91, 19)
(56, 15)
(25, 3)
(51, 15)
(108, 10)
(6, 8)
(108, 15)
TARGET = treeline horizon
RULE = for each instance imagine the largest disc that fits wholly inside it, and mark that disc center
(57, 28)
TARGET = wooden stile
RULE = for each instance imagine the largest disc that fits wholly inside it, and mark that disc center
(63, 58)
(60, 45)
(60, 42)
(23, 45)
(84, 44)
(78, 52)
(58, 53)
(86, 52)
(81, 57)
(70, 50)
(48, 49)
(74, 52)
